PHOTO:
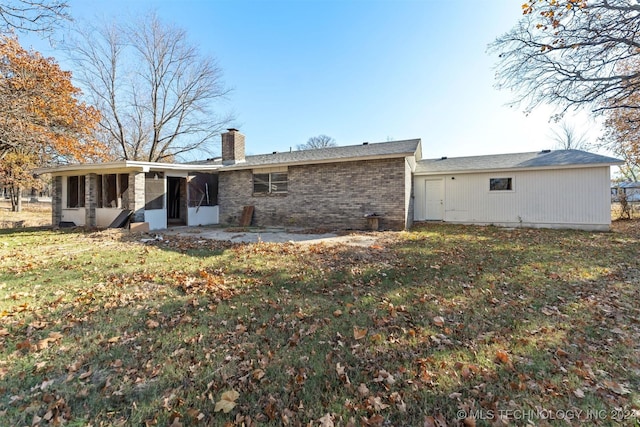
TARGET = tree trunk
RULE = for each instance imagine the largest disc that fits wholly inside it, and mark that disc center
(16, 199)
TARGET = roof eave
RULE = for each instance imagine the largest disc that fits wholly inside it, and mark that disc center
(517, 169)
(125, 165)
(245, 166)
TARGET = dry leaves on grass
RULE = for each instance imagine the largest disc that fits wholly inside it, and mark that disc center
(227, 401)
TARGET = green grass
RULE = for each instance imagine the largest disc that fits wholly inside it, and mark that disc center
(100, 329)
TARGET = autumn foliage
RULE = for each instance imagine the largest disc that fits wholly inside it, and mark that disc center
(41, 119)
(40, 108)
(552, 11)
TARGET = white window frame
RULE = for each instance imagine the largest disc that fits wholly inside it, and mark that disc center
(271, 184)
(510, 178)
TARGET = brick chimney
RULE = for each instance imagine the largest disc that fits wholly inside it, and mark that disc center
(232, 147)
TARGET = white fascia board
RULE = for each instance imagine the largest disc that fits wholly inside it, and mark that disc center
(123, 167)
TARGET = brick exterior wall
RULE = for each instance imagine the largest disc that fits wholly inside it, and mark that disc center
(56, 201)
(91, 199)
(332, 195)
(135, 196)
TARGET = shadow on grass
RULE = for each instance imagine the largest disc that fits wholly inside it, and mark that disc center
(442, 320)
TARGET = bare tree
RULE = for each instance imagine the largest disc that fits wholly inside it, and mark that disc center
(569, 53)
(32, 15)
(155, 90)
(567, 138)
(320, 141)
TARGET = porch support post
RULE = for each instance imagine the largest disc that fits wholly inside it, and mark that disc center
(91, 199)
(56, 201)
(136, 195)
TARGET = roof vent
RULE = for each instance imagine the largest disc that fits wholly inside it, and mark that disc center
(443, 158)
(365, 143)
(275, 152)
(546, 151)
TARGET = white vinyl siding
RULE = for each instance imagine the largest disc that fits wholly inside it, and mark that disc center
(577, 198)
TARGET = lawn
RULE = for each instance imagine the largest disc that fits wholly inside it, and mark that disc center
(32, 215)
(442, 325)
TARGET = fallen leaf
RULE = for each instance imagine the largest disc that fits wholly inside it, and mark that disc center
(469, 422)
(38, 325)
(195, 414)
(337, 313)
(75, 366)
(377, 403)
(55, 336)
(24, 345)
(578, 393)
(374, 420)
(502, 356)
(258, 374)
(152, 324)
(294, 339)
(440, 421)
(227, 401)
(326, 420)
(438, 321)
(616, 387)
(342, 374)
(465, 372)
(363, 390)
(359, 333)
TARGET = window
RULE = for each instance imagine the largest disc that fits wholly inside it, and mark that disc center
(153, 190)
(75, 191)
(270, 183)
(203, 189)
(501, 184)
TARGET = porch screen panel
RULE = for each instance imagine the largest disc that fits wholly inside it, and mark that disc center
(203, 189)
(110, 191)
(153, 190)
(75, 191)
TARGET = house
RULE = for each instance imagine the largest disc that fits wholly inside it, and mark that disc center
(552, 189)
(340, 188)
(630, 190)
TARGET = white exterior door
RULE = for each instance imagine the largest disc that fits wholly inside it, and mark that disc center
(434, 199)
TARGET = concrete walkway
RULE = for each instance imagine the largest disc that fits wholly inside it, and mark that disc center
(271, 235)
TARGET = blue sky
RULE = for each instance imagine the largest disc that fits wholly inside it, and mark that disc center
(356, 70)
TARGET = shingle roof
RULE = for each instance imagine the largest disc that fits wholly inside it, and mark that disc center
(322, 155)
(540, 159)
(627, 185)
